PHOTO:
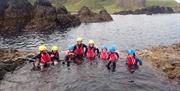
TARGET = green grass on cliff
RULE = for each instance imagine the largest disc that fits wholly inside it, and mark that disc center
(109, 5)
(168, 3)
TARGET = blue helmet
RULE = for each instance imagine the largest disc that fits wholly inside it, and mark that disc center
(71, 47)
(131, 51)
(112, 49)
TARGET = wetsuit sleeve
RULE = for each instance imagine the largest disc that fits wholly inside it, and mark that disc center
(117, 55)
(74, 48)
(138, 60)
(86, 49)
(97, 51)
(37, 56)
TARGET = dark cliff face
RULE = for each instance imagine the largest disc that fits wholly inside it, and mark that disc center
(15, 15)
(20, 15)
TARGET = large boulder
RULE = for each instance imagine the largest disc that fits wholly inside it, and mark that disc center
(44, 16)
(87, 16)
(47, 17)
(15, 15)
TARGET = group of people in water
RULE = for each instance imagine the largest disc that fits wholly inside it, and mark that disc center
(76, 54)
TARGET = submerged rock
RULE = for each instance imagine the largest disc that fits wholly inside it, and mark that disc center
(148, 10)
(87, 16)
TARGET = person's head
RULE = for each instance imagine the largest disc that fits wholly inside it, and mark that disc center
(91, 43)
(42, 49)
(131, 52)
(54, 49)
(104, 48)
(112, 49)
(79, 40)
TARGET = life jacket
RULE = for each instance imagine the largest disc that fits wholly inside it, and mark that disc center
(113, 57)
(79, 50)
(45, 58)
(131, 60)
(71, 55)
(90, 53)
(104, 55)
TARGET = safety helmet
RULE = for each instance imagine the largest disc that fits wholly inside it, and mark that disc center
(79, 39)
(112, 49)
(71, 47)
(131, 51)
(54, 48)
(42, 48)
(91, 42)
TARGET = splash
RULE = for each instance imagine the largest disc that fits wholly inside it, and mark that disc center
(178, 1)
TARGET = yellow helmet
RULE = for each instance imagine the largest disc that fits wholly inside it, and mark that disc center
(54, 48)
(91, 42)
(42, 48)
(79, 39)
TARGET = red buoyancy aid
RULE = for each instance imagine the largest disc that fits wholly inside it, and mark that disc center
(104, 55)
(45, 57)
(113, 57)
(90, 53)
(71, 55)
(79, 50)
(131, 60)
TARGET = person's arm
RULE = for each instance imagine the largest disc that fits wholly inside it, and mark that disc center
(86, 49)
(74, 48)
(138, 60)
(97, 51)
(117, 55)
(37, 56)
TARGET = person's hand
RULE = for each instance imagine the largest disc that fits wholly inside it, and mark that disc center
(52, 55)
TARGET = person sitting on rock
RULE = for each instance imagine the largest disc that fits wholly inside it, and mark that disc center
(132, 61)
(42, 59)
(70, 56)
(91, 51)
(54, 55)
(104, 55)
(79, 50)
(113, 58)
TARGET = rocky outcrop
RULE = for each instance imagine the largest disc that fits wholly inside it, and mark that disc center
(15, 14)
(165, 58)
(47, 17)
(20, 15)
(148, 11)
(87, 16)
(11, 59)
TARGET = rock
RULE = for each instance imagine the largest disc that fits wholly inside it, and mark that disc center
(16, 15)
(148, 10)
(11, 59)
(47, 17)
(87, 16)
(165, 58)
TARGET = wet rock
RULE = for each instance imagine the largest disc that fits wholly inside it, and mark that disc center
(87, 16)
(165, 58)
(10, 59)
(148, 10)
(15, 16)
